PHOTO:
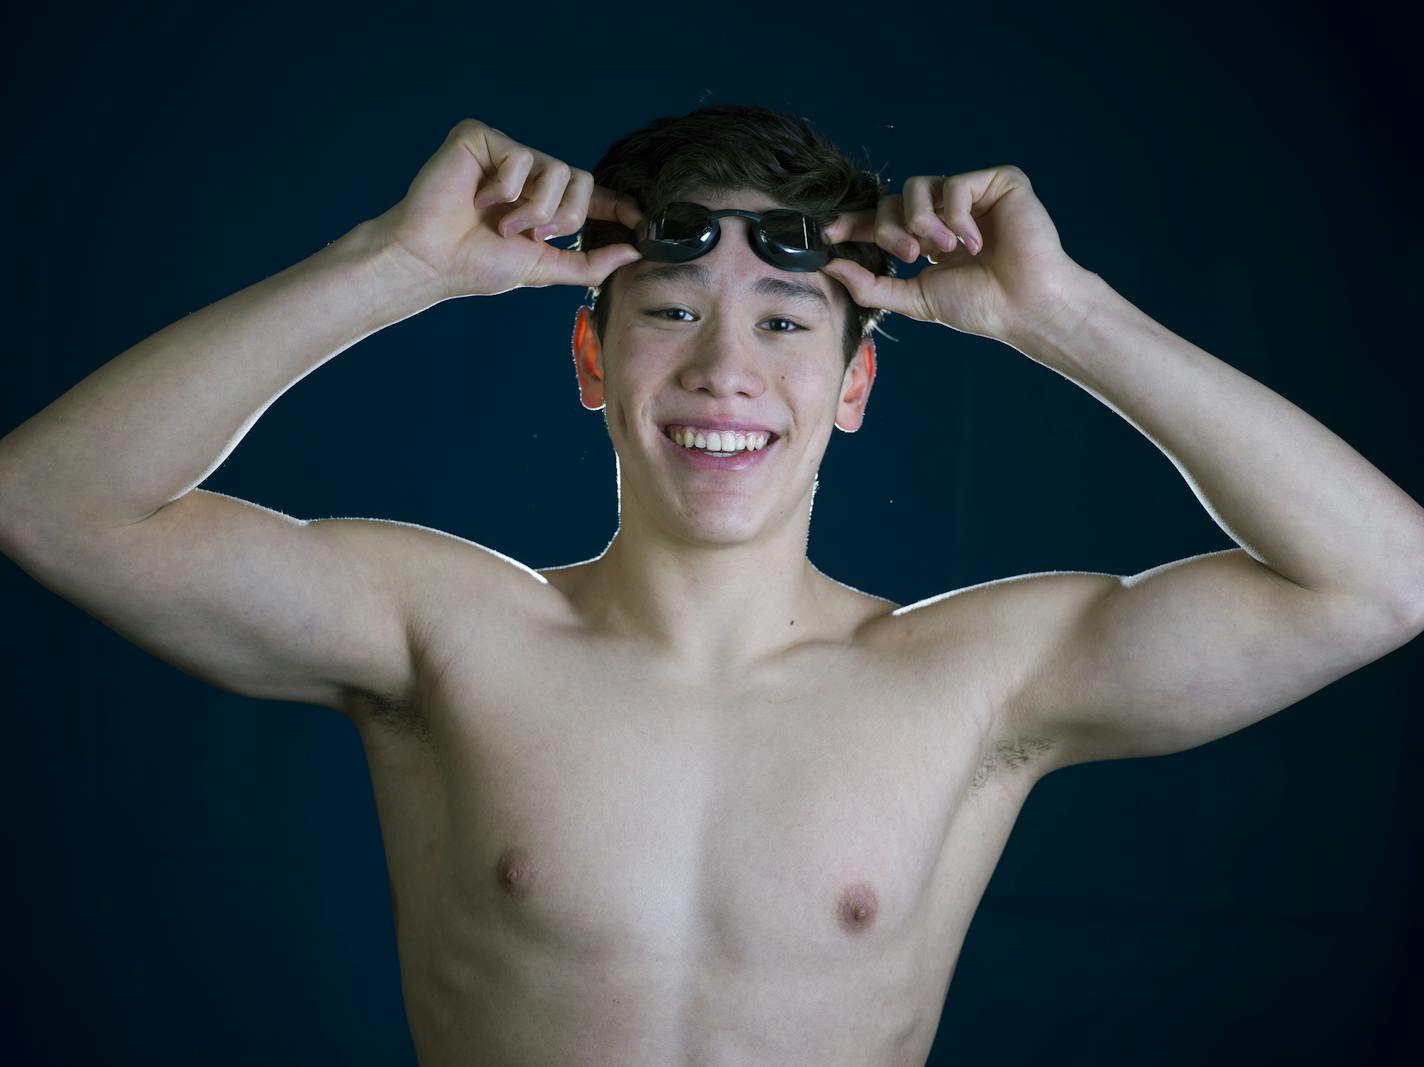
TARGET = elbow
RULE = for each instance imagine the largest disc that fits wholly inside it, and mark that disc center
(1411, 614)
(1414, 602)
(1411, 610)
(1408, 599)
(1397, 587)
(9, 510)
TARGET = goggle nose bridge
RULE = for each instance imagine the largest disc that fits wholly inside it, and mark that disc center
(755, 234)
(783, 257)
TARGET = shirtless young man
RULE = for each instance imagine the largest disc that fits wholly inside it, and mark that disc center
(692, 801)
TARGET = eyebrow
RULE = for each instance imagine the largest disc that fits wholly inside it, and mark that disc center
(697, 274)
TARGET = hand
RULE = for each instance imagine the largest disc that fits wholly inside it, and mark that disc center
(456, 220)
(1014, 271)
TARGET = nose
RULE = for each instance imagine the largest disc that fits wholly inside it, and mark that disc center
(721, 365)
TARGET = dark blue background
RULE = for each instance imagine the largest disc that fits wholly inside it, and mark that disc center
(195, 877)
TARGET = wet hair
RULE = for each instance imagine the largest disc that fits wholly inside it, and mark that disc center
(739, 146)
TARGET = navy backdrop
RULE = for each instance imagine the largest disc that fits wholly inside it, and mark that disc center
(196, 877)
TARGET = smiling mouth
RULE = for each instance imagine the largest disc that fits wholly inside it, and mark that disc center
(719, 442)
(706, 459)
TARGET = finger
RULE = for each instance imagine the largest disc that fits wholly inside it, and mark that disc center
(503, 187)
(573, 209)
(543, 194)
(891, 231)
(961, 254)
(923, 220)
(851, 226)
(958, 202)
(560, 266)
(609, 206)
(870, 290)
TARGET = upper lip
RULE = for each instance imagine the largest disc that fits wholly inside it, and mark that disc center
(720, 424)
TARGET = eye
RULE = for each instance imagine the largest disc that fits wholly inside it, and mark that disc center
(789, 323)
(665, 311)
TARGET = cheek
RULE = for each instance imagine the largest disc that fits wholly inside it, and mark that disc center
(809, 389)
(624, 408)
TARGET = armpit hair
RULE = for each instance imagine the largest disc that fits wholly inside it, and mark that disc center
(1009, 755)
(402, 717)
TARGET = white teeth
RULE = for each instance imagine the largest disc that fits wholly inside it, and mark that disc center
(719, 442)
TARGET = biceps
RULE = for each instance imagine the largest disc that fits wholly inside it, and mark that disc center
(1186, 653)
(242, 597)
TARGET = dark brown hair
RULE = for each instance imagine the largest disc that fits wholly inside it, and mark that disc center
(740, 146)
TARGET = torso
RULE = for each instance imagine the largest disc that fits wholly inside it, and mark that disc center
(595, 861)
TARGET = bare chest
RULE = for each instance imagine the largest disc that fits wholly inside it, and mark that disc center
(561, 812)
(613, 806)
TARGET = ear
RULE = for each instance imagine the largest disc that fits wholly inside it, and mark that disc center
(855, 387)
(588, 360)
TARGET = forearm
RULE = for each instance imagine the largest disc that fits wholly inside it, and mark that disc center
(1284, 487)
(155, 421)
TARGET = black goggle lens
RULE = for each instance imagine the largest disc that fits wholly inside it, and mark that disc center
(681, 224)
(691, 224)
(682, 231)
(791, 229)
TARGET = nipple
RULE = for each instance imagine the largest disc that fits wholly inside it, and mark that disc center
(515, 872)
(857, 907)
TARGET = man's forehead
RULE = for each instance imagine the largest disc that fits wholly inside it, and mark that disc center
(801, 286)
(806, 286)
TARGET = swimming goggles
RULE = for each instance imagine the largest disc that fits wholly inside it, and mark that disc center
(681, 231)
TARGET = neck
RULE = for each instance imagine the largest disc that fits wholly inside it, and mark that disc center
(708, 607)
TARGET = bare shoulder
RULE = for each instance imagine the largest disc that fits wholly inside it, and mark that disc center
(438, 569)
(992, 638)
(447, 586)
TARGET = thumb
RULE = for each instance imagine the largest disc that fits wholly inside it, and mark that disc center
(871, 290)
(856, 279)
(604, 261)
(591, 268)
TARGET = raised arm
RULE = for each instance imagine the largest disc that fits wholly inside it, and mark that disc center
(1328, 574)
(97, 491)
(97, 497)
